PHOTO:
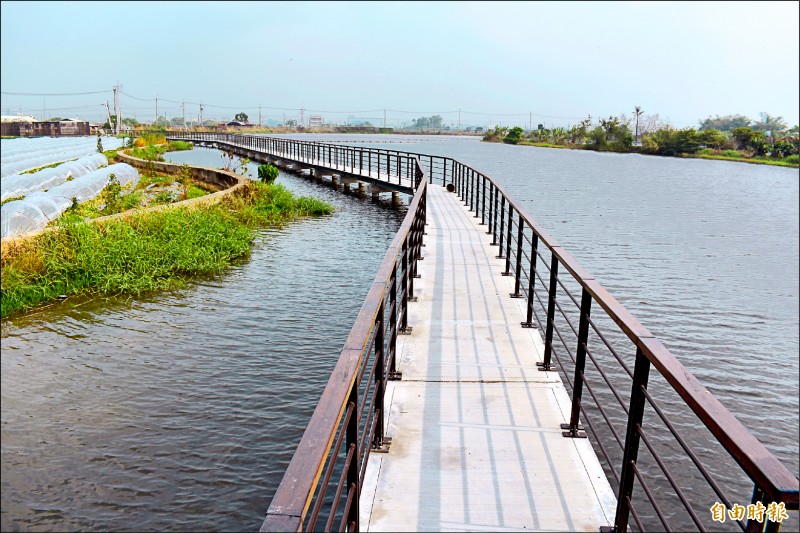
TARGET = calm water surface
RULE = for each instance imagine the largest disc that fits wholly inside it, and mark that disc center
(181, 411)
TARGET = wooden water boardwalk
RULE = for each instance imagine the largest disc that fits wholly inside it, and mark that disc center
(475, 427)
(471, 353)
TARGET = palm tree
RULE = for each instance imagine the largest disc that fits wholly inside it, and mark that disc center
(772, 124)
(637, 111)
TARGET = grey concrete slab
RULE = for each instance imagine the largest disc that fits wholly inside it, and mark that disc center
(477, 444)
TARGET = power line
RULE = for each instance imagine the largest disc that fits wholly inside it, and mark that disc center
(55, 94)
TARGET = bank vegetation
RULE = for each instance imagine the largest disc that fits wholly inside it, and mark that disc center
(144, 250)
(731, 138)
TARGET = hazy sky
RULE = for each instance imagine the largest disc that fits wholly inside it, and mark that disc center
(496, 62)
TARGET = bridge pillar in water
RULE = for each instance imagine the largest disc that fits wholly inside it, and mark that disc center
(376, 190)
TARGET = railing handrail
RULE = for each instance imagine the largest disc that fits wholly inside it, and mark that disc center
(760, 465)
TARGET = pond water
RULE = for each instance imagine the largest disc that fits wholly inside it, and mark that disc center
(181, 410)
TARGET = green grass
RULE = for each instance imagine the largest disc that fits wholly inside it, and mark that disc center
(145, 252)
(790, 161)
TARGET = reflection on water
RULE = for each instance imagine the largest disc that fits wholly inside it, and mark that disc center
(184, 408)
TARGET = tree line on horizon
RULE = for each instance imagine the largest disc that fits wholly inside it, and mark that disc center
(729, 135)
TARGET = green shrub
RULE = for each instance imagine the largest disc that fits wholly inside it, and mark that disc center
(792, 159)
(267, 173)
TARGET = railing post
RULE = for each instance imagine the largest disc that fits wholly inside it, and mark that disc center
(353, 469)
(462, 186)
(531, 280)
(573, 427)
(393, 374)
(518, 266)
(404, 329)
(630, 455)
(491, 206)
(483, 200)
(380, 368)
(473, 190)
(412, 264)
(499, 229)
(507, 271)
(493, 227)
(551, 316)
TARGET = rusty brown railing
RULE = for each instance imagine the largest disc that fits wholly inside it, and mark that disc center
(635, 418)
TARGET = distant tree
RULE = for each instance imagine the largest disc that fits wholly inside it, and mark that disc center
(685, 142)
(129, 121)
(746, 138)
(291, 123)
(240, 117)
(54, 119)
(772, 124)
(421, 123)
(726, 123)
(436, 122)
(712, 138)
(176, 121)
(161, 121)
(513, 136)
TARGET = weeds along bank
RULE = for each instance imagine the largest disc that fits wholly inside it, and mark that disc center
(144, 250)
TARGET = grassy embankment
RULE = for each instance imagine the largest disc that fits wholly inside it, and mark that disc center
(149, 251)
(707, 153)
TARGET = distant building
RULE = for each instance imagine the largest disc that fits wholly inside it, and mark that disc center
(315, 121)
(51, 128)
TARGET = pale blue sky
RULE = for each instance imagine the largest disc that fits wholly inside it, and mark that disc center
(497, 62)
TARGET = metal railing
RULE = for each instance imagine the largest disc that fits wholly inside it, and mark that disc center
(604, 354)
(590, 337)
(392, 167)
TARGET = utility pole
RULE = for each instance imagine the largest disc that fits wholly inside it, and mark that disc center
(259, 115)
(183, 110)
(384, 118)
(302, 115)
(530, 121)
(156, 120)
(459, 119)
(108, 114)
(201, 114)
(116, 108)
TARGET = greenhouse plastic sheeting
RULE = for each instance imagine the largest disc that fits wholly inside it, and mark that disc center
(36, 210)
(24, 184)
(19, 155)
